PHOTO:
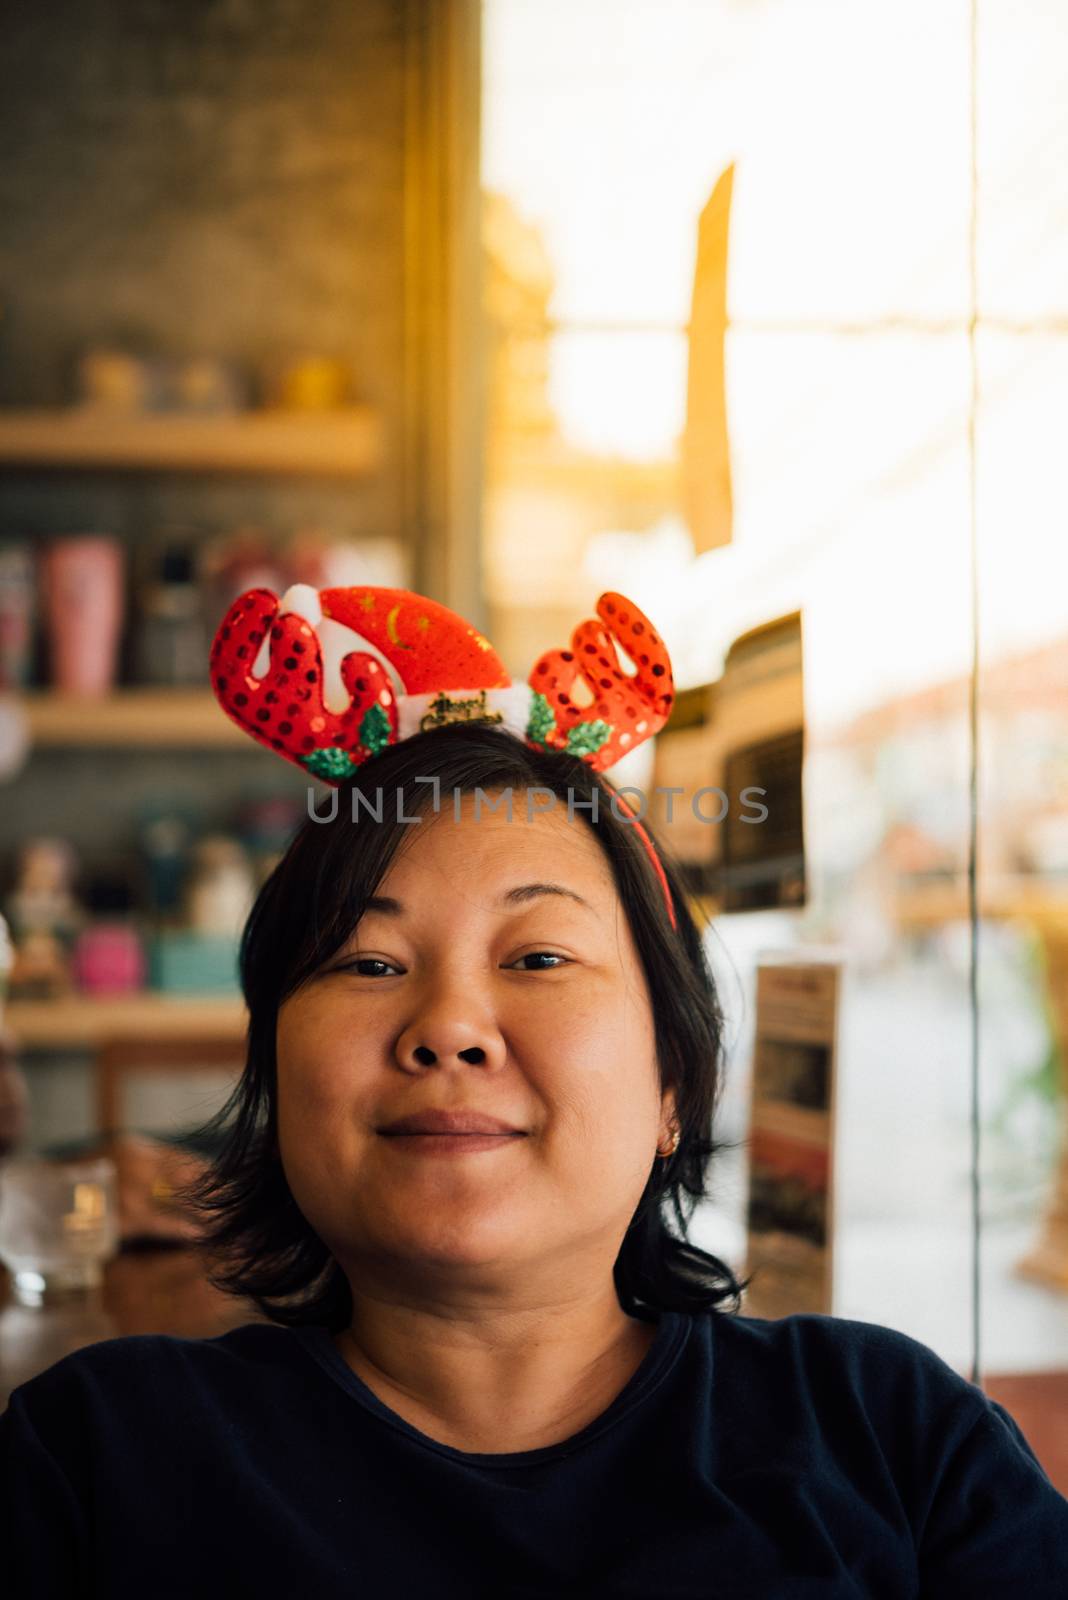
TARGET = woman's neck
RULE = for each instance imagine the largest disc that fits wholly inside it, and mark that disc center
(501, 1383)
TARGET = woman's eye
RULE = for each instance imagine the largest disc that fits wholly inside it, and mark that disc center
(542, 955)
(368, 961)
(376, 967)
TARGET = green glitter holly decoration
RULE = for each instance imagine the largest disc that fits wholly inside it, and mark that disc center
(374, 729)
(541, 722)
(331, 763)
(586, 737)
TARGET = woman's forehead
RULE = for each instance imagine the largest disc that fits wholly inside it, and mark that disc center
(490, 849)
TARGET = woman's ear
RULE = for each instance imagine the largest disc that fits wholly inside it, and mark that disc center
(669, 1120)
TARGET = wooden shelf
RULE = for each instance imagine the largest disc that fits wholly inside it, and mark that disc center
(132, 719)
(918, 907)
(85, 1021)
(345, 443)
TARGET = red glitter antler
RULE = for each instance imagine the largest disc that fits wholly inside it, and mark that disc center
(626, 708)
(285, 709)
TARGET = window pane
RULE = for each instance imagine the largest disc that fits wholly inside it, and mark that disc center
(1023, 159)
(610, 121)
(620, 393)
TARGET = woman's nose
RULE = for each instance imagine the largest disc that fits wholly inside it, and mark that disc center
(451, 1032)
(427, 1057)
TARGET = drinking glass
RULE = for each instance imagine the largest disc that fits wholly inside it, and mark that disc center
(59, 1223)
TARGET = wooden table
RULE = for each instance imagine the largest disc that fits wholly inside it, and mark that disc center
(158, 1290)
(1039, 1403)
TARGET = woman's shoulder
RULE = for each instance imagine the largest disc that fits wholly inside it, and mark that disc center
(816, 1339)
(854, 1390)
(130, 1368)
(866, 1367)
(865, 1416)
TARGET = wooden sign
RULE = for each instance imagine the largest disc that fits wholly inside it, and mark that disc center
(791, 1142)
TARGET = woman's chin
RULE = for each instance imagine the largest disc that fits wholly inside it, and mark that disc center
(456, 1242)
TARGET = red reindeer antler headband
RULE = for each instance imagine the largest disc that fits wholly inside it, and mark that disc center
(450, 673)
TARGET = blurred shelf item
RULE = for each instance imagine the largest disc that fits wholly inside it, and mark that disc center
(345, 443)
(85, 1021)
(1047, 1262)
(916, 907)
(705, 907)
(1040, 903)
(133, 719)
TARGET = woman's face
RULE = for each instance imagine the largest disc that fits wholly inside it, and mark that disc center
(469, 990)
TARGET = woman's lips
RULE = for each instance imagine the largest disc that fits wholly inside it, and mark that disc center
(450, 1144)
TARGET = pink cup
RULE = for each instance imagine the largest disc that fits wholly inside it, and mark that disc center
(83, 584)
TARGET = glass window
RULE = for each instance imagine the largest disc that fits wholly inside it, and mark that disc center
(847, 385)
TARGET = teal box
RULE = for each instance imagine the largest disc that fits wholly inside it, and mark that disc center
(183, 962)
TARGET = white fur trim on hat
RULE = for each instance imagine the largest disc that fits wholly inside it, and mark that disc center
(302, 600)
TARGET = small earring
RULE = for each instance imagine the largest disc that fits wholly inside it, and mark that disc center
(665, 1154)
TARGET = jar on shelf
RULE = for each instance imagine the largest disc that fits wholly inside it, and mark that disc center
(109, 955)
(221, 887)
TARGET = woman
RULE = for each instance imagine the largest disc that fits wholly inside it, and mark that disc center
(473, 1124)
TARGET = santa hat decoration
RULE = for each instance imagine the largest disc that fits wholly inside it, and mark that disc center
(450, 673)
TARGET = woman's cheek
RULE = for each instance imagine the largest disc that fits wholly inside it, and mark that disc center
(313, 1038)
(311, 1071)
(570, 1014)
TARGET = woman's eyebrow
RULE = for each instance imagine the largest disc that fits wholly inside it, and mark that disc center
(523, 892)
(530, 891)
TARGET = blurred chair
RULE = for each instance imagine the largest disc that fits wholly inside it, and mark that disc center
(164, 1087)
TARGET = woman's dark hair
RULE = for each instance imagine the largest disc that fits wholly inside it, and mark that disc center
(257, 1241)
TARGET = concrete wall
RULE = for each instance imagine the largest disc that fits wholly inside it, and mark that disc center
(215, 175)
(209, 176)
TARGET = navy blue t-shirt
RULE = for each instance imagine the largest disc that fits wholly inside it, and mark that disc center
(808, 1456)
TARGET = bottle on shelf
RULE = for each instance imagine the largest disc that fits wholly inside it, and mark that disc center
(171, 646)
(84, 594)
(14, 1094)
